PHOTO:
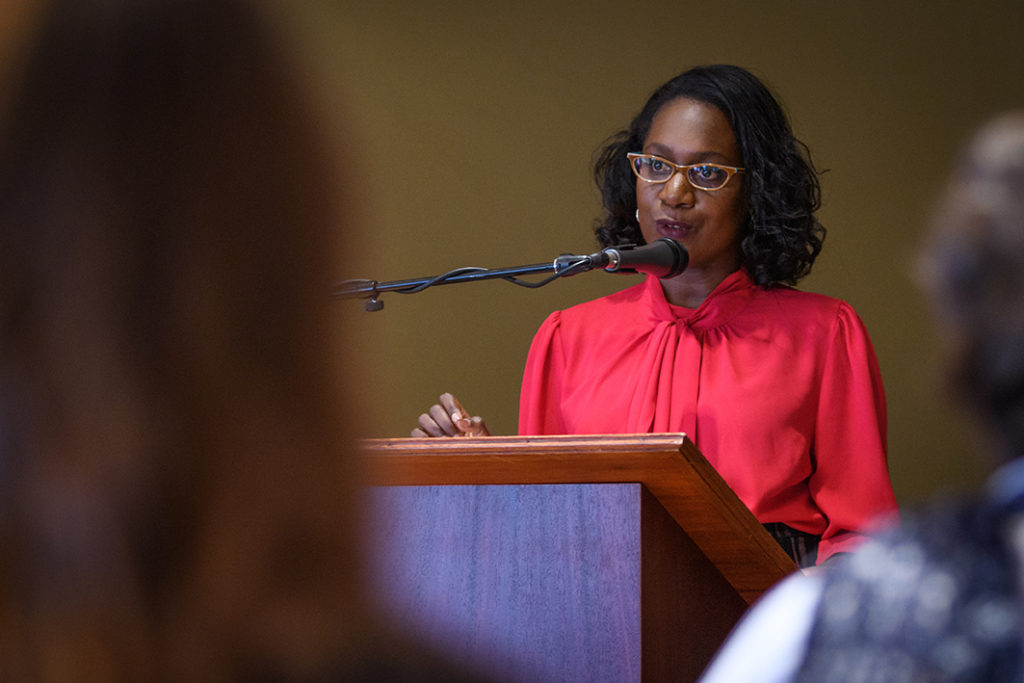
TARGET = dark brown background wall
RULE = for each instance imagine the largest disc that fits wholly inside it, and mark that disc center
(471, 128)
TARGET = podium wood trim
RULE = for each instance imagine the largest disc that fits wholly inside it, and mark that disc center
(669, 465)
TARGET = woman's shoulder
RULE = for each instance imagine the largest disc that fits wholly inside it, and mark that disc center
(612, 311)
(806, 314)
(809, 303)
(628, 297)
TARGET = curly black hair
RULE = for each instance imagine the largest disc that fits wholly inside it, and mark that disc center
(782, 236)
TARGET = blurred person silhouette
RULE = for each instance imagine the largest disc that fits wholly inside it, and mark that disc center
(177, 501)
(938, 598)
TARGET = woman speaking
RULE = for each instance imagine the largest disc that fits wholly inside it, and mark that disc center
(779, 388)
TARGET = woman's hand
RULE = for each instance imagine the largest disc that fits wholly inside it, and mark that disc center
(449, 419)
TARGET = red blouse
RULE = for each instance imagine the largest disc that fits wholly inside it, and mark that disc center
(778, 388)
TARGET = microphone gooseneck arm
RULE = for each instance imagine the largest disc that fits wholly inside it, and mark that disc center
(663, 258)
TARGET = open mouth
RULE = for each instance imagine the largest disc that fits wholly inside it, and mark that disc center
(674, 229)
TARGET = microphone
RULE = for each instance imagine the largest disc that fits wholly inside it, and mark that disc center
(662, 258)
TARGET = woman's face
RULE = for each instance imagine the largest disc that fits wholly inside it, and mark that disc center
(707, 223)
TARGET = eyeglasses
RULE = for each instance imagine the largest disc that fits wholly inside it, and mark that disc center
(654, 169)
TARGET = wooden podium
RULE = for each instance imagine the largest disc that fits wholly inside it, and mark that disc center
(565, 558)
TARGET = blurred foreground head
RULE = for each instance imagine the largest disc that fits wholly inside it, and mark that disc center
(974, 270)
(174, 497)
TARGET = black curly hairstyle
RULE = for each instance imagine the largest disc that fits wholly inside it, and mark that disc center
(782, 236)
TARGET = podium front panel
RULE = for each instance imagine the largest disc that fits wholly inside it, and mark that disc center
(591, 582)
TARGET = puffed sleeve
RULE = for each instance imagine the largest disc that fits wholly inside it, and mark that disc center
(850, 483)
(540, 397)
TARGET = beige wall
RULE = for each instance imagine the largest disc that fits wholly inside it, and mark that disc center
(472, 129)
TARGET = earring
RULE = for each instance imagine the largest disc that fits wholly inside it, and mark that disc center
(638, 216)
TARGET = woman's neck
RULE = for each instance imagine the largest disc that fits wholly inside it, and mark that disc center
(691, 288)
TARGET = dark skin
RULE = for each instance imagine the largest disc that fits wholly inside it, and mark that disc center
(707, 223)
(449, 418)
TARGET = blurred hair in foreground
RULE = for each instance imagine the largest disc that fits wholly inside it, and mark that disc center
(973, 269)
(177, 496)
